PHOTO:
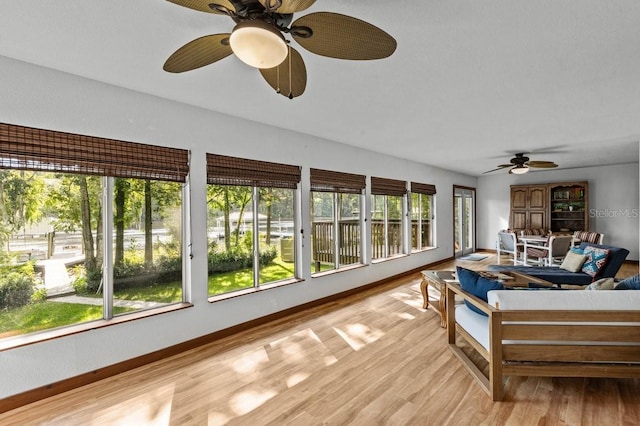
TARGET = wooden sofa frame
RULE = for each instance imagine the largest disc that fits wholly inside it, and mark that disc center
(523, 343)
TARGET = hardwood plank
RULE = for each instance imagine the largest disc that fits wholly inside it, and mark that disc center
(374, 357)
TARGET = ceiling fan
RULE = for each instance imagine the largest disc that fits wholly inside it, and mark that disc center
(257, 39)
(520, 164)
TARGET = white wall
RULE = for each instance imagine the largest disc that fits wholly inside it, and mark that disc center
(43, 98)
(613, 202)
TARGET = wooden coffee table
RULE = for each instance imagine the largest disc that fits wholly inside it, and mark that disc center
(438, 280)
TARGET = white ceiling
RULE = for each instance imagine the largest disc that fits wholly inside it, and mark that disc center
(470, 83)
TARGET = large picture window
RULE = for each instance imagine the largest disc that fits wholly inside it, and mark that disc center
(251, 223)
(422, 216)
(60, 194)
(336, 203)
(388, 198)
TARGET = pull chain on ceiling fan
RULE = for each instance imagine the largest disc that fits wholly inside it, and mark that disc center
(520, 164)
(258, 40)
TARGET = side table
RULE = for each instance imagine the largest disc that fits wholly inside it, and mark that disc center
(438, 280)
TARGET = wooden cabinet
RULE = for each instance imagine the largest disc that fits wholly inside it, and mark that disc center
(569, 206)
(560, 207)
(529, 206)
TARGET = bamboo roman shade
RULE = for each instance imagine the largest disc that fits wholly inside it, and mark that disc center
(223, 170)
(423, 188)
(330, 181)
(28, 148)
(383, 186)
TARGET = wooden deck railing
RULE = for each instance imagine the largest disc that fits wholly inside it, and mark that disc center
(323, 236)
(350, 239)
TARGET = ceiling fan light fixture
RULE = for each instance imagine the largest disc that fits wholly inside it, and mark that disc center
(520, 169)
(258, 44)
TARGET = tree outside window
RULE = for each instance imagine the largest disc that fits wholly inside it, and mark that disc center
(250, 224)
(53, 220)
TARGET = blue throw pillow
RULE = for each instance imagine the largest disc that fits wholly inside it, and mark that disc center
(477, 285)
(631, 283)
(595, 261)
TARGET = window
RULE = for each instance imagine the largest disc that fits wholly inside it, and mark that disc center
(422, 215)
(336, 203)
(251, 223)
(54, 219)
(387, 201)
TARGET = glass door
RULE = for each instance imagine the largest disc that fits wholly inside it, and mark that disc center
(464, 220)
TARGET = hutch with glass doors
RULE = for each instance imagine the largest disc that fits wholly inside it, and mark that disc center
(569, 207)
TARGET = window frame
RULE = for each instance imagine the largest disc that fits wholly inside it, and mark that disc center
(26, 148)
(385, 188)
(338, 184)
(255, 175)
(422, 189)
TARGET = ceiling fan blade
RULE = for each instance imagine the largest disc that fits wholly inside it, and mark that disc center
(203, 5)
(288, 6)
(542, 164)
(198, 53)
(342, 37)
(290, 77)
(500, 167)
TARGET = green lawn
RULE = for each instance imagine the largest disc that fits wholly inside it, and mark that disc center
(170, 292)
(46, 315)
(224, 282)
(236, 280)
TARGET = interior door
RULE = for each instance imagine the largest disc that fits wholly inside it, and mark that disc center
(464, 208)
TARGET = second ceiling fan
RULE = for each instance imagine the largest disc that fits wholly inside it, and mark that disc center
(257, 39)
(520, 164)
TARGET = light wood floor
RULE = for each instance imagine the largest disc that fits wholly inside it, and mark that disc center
(376, 358)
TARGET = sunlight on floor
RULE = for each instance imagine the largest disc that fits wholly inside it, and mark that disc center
(358, 335)
(151, 408)
(217, 419)
(246, 401)
(405, 315)
(330, 359)
(298, 356)
(249, 362)
(296, 378)
(409, 299)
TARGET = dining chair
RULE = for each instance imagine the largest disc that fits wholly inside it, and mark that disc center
(587, 237)
(507, 243)
(550, 254)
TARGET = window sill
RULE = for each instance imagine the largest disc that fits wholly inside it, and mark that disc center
(243, 292)
(422, 250)
(335, 271)
(387, 259)
(56, 333)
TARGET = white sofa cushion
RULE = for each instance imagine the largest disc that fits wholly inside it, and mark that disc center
(579, 300)
(475, 324)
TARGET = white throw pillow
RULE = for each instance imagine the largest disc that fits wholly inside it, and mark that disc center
(573, 261)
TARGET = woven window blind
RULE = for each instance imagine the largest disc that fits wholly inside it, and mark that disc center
(423, 188)
(330, 181)
(383, 186)
(223, 170)
(29, 148)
